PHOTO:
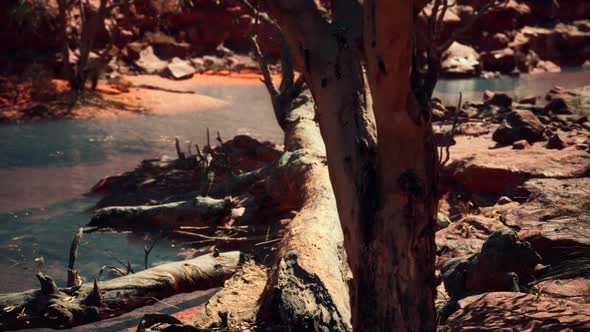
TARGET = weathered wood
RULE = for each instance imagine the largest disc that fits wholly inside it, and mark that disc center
(72, 272)
(332, 63)
(67, 307)
(307, 284)
(200, 211)
(395, 287)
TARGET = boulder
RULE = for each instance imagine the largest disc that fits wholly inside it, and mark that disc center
(498, 99)
(558, 106)
(555, 142)
(132, 51)
(545, 66)
(503, 263)
(529, 100)
(504, 60)
(166, 47)
(149, 62)
(518, 125)
(460, 61)
(560, 92)
(563, 44)
(509, 15)
(489, 42)
(464, 237)
(439, 111)
(180, 69)
(521, 145)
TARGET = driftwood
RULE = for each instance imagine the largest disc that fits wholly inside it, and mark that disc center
(199, 211)
(73, 276)
(306, 286)
(67, 307)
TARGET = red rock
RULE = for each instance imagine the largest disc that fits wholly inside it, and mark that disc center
(507, 16)
(180, 69)
(545, 66)
(166, 47)
(503, 60)
(563, 9)
(490, 42)
(508, 311)
(149, 62)
(530, 100)
(498, 99)
(576, 289)
(555, 219)
(464, 237)
(519, 124)
(479, 169)
(521, 145)
(460, 61)
(564, 44)
(555, 142)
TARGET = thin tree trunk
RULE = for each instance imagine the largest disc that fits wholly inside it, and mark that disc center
(65, 49)
(397, 281)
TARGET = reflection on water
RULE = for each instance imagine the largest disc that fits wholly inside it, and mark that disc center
(38, 240)
(45, 167)
(529, 84)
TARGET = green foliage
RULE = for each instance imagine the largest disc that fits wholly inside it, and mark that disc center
(581, 105)
(28, 16)
(516, 96)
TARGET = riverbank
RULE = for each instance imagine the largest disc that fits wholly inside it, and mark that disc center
(142, 94)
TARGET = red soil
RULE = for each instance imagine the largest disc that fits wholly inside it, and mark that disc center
(18, 103)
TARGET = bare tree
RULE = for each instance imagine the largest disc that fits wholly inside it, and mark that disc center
(92, 19)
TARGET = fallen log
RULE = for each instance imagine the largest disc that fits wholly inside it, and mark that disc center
(62, 308)
(199, 211)
(306, 287)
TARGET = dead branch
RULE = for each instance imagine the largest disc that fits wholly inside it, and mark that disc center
(147, 252)
(73, 277)
(198, 211)
(55, 307)
(451, 134)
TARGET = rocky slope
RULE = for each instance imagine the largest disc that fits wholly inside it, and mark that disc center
(525, 169)
(177, 38)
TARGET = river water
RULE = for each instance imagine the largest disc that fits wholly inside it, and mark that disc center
(47, 166)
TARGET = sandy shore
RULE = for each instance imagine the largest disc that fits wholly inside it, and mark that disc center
(148, 94)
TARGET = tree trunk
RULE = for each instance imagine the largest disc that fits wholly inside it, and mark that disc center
(396, 284)
(307, 287)
(68, 71)
(69, 307)
(331, 60)
(386, 194)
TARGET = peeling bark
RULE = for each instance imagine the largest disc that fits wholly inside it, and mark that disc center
(396, 285)
(68, 307)
(307, 286)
